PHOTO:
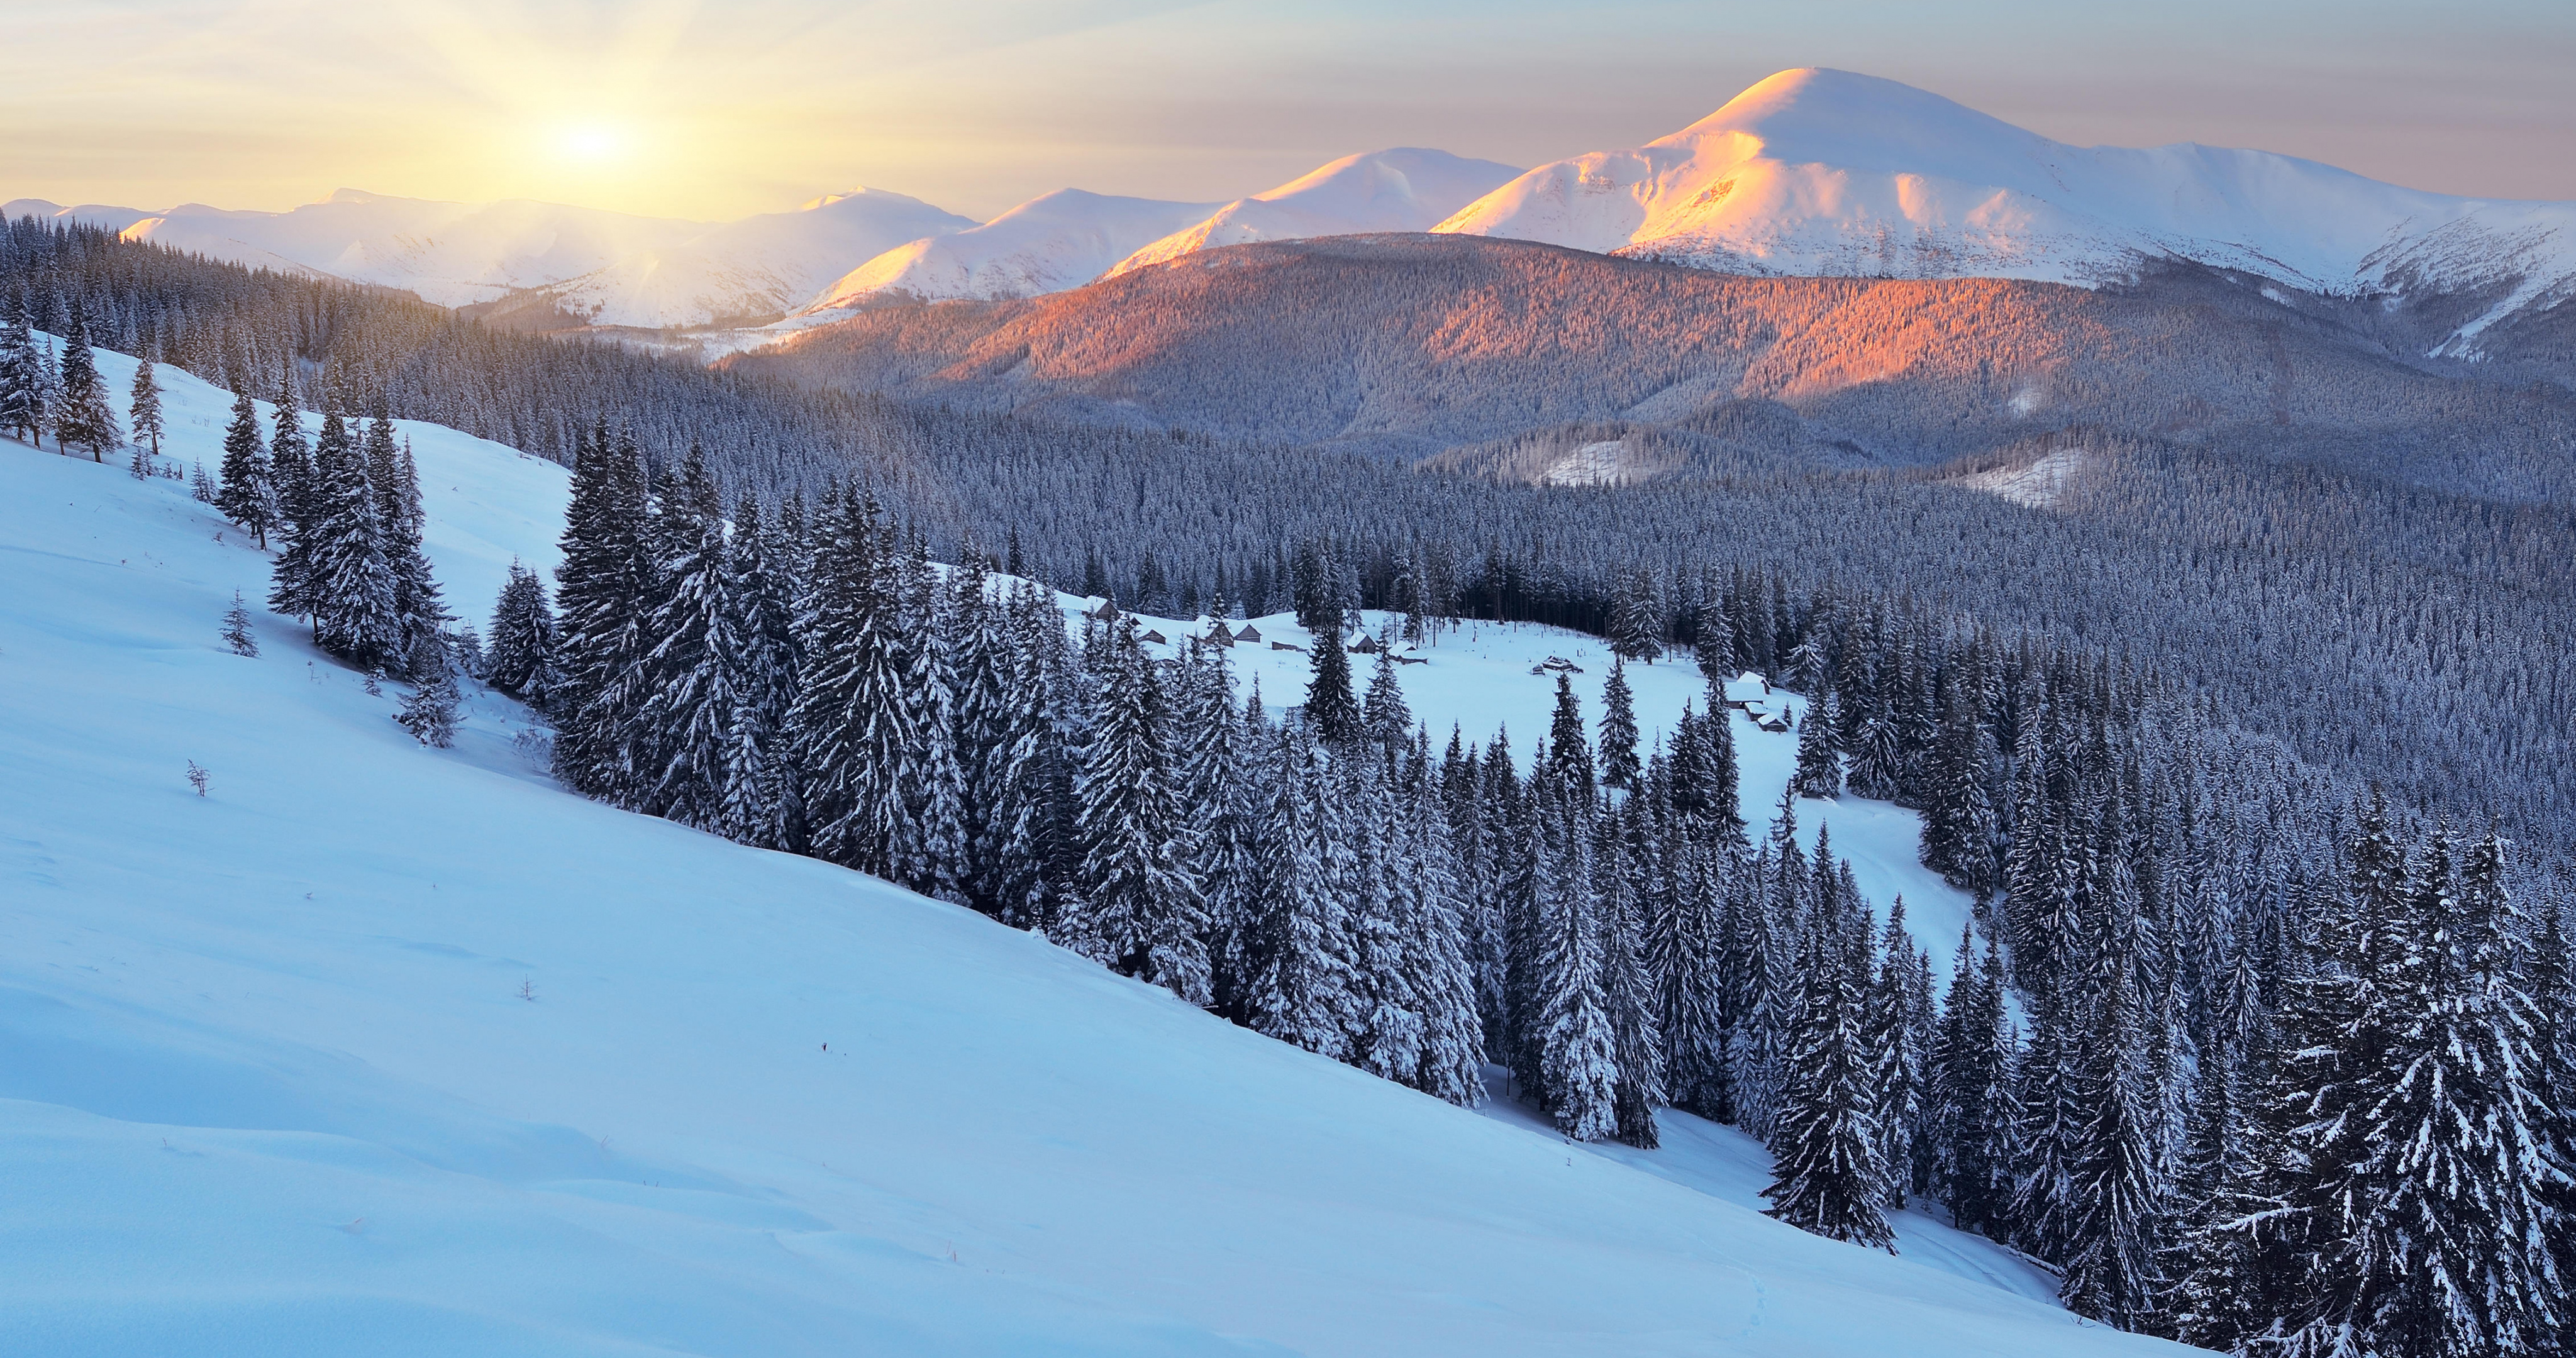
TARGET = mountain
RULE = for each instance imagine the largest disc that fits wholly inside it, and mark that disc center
(449, 253)
(756, 269)
(1415, 346)
(1405, 189)
(1822, 172)
(1055, 241)
(372, 1047)
(98, 215)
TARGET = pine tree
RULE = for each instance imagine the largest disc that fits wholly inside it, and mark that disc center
(1577, 1038)
(1819, 772)
(1137, 908)
(353, 587)
(1895, 1054)
(521, 658)
(238, 633)
(143, 407)
(695, 668)
(247, 497)
(1626, 997)
(82, 416)
(603, 591)
(1300, 975)
(760, 806)
(1686, 956)
(298, 506)
(1569, 755)
(1713, 638)
(1619, 766)
(1388, 721)
(22, 377)
(417, 602)
(1971, 1098)
(2115, 1194)
(1828, 1177)
(430, 712)
(850, 709)
(1636, 619)
(1331, 710)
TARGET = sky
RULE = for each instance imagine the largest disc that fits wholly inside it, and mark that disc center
(713, 109)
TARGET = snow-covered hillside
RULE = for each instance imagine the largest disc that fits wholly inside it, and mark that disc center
(377, 1048)
(1821, 172)
(1404, 189)
(1052, 242)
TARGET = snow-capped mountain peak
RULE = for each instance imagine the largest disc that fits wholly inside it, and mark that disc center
(1404, 189)
(1824, 172)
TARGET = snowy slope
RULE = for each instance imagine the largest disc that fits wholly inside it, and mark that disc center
(760, 267)
(1821, 172)
(1404, 189)
(382, 1049)
(1478, 680)
(1052, 242)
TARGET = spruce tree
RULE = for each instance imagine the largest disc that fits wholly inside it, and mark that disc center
(1388, 721)
(298, 505)
(603, 591)
(1619, 765)
(1828, 1177)
(1577, 1038)
(22, 379)
(1300, 983)
(521, 658)
(353, 586)
(2115, 1193)
(760, 806)
(695, 669)
(82, 416)
(1819, 772)
(1137, 907)
(850, 709)
(1331, 709)
(238, 633)
(430, 712)
(143, 407)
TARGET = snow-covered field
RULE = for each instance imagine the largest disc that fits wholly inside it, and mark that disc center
(381, 1049)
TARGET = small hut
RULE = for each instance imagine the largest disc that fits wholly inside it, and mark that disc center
(1249, 635)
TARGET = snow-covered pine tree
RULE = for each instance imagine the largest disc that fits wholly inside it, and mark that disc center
(1686, 957)
(603, 589)
(430, 712)
(2115, 1201)
(1577, 1039)
(353, 586)
(1895, 1054)
(930, 851)
(247, 497)
(1713, 639)
(760, 806)
(1388, 1041)
(1219, 813)
(417, 600)
(1626, 995)
(1137, 907)
(1569, 753)
(1301, 980)
(1023, 818)
(298, 502)
(1827, 1177)
(238, 633)
(1388, 721)
(980, 665)
(2436, 1201)
(1971, 1098)
(1636, 618)
(82, 416)
(143, 407)
(1619, 765)
(2051, 1115)
(1331, 708)
(1958, 817)
(1819, 772)
(695, 672)
(1438, 956)
(850, 708)
(22, 380)
(1757, 998)
(520, 660)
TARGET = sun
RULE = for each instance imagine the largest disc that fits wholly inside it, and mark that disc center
(591, 144)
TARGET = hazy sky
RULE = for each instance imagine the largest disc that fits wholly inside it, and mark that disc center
(717, 108)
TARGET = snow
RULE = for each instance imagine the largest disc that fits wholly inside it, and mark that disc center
(377, 1048)
(1405, 189)
(1823, 172)
(1593, 464)
(2040, 484)
(1052, 242)
(1477, 678)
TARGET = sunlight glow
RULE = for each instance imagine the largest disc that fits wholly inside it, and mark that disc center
(591, 145)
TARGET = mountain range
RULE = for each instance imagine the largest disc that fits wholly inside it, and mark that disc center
(1810, 172)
